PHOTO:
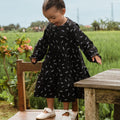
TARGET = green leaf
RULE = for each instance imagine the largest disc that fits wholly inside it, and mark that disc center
(107, 119)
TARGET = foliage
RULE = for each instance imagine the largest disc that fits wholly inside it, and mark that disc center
(39, 25)
(106, 25)
(11, 27)
(106, 111)
(95, 25)
(9, 81)
(81, 109)
(5, 95)
(38, 103)
(31, 79)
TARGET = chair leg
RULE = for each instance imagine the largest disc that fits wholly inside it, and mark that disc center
(77, 117)
(75, 107)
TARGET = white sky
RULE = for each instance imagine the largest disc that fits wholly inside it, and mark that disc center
(24, 12)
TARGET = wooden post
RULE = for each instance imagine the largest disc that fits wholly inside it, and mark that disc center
(75, 107)
(91, 107)
(21, 86)
(116, 112)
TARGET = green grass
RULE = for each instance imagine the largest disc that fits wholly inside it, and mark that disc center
(107, 43)
(34, 37)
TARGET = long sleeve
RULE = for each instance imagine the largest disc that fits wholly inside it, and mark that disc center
(41, 47)
(85, 44)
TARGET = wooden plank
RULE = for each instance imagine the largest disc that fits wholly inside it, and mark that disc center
(21, 87)
(116, 112)
(99, 85)
(114, 69)
(107, 96)
(106, 80)
(27, 66)
(99, 82)
(31, 115)
(91, 107)
(105, 76)
(113, 75)
(97, 79)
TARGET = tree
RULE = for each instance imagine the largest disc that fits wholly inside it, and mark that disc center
(9, 27)
(112, 25)
(102, 24)
(17, 27)
(95, 25)
(39, 25)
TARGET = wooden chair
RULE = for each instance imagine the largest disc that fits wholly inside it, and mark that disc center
(23, 113)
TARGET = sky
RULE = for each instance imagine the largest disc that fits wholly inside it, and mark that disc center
(24, 12)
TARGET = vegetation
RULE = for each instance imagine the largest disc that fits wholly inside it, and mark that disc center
(107, 43)
(5, 110)
(11, 27)
(40, 26)
(105, 25)
(8, 81)
(34, 27)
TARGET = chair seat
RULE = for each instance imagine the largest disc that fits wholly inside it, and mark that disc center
(31, 115)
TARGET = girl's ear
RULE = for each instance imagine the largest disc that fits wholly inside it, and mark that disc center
(63, 11)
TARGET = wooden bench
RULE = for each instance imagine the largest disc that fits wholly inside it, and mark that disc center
(101, 88)
(23, 113)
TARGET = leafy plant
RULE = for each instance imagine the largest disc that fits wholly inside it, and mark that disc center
(22, 46)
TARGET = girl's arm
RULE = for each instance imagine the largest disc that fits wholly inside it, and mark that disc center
(40, 48)
(86, 45)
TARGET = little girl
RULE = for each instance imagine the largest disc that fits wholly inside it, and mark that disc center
(63, 64)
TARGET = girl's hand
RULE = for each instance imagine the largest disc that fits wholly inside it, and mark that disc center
(97, 58)
(33, 60)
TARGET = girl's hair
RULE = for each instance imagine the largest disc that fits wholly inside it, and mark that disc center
(59, 4)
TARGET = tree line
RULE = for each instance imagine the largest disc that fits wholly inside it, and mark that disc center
(34, 27)
(105, 25)
(40, 26)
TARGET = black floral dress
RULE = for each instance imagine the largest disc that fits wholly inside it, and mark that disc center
(63, 64)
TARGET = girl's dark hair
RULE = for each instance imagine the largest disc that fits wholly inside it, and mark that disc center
(59, 4)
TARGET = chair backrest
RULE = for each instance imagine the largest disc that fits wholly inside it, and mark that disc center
(21, 68)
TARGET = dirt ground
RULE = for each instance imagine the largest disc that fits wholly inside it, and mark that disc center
(6, 110)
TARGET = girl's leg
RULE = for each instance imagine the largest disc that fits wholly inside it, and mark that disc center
(66, 107)
(50, 103)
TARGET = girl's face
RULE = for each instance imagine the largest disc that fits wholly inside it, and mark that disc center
(55, 16)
